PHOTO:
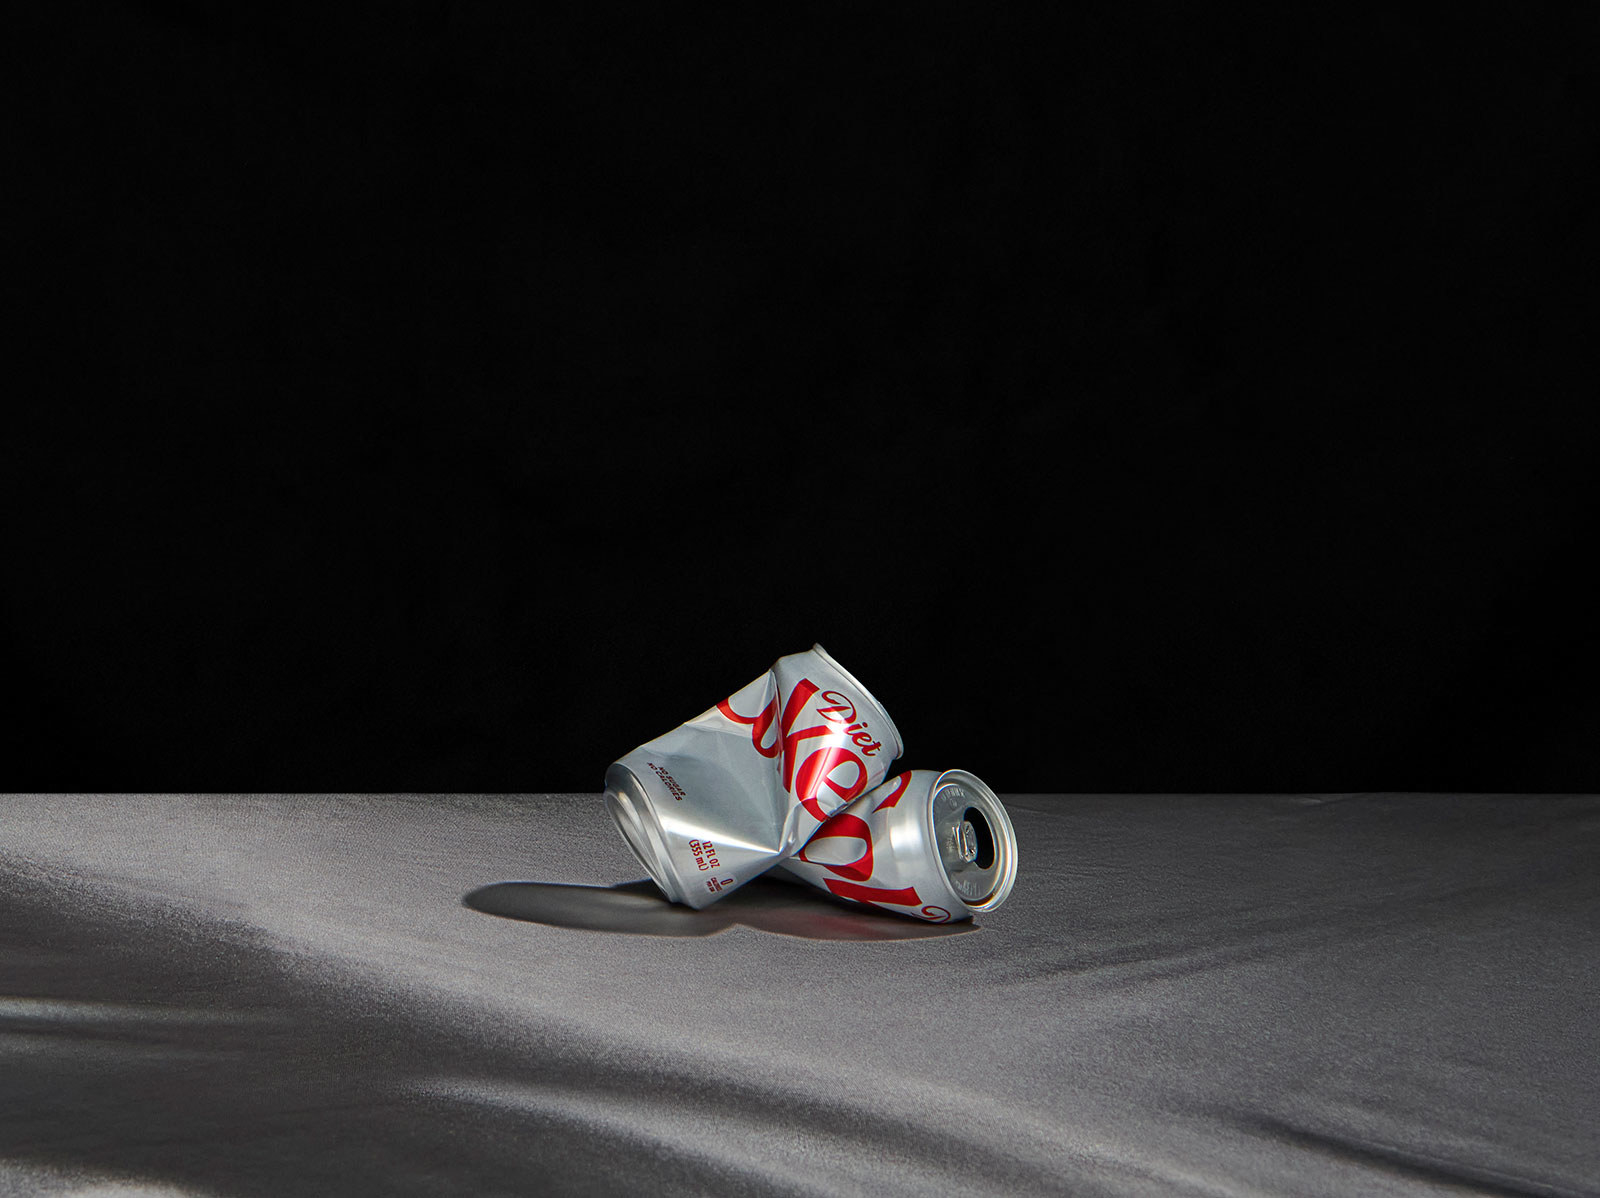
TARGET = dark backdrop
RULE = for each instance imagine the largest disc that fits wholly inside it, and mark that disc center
(455, 395)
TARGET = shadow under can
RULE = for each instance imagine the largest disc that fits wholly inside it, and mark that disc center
(637, 908)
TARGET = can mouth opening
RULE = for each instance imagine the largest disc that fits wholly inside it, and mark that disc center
(975, 839)
(983, 846)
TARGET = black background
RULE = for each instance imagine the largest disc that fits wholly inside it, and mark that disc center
(453, 396)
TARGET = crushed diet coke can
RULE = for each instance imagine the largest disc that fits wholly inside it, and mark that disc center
(724, 797)
(937, 846)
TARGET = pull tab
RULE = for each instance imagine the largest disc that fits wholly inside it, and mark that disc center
(966, 844)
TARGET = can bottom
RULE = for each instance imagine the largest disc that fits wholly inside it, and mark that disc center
(630, 813)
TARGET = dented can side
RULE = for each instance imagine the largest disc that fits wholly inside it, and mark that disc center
(933, 845)
(721, 798)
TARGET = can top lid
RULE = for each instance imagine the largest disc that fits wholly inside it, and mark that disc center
(975, 840)
(899, 745)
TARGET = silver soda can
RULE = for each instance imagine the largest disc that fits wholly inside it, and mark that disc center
(722, 798)
(936, 846)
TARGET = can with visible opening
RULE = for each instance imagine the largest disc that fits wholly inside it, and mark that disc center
(724, 797)
(936, 846)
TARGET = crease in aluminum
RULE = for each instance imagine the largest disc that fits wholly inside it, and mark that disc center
(725, 796)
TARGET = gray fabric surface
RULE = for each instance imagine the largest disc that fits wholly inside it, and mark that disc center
(1365, 994)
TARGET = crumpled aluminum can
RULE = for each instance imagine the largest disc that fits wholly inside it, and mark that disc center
(727, 795)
